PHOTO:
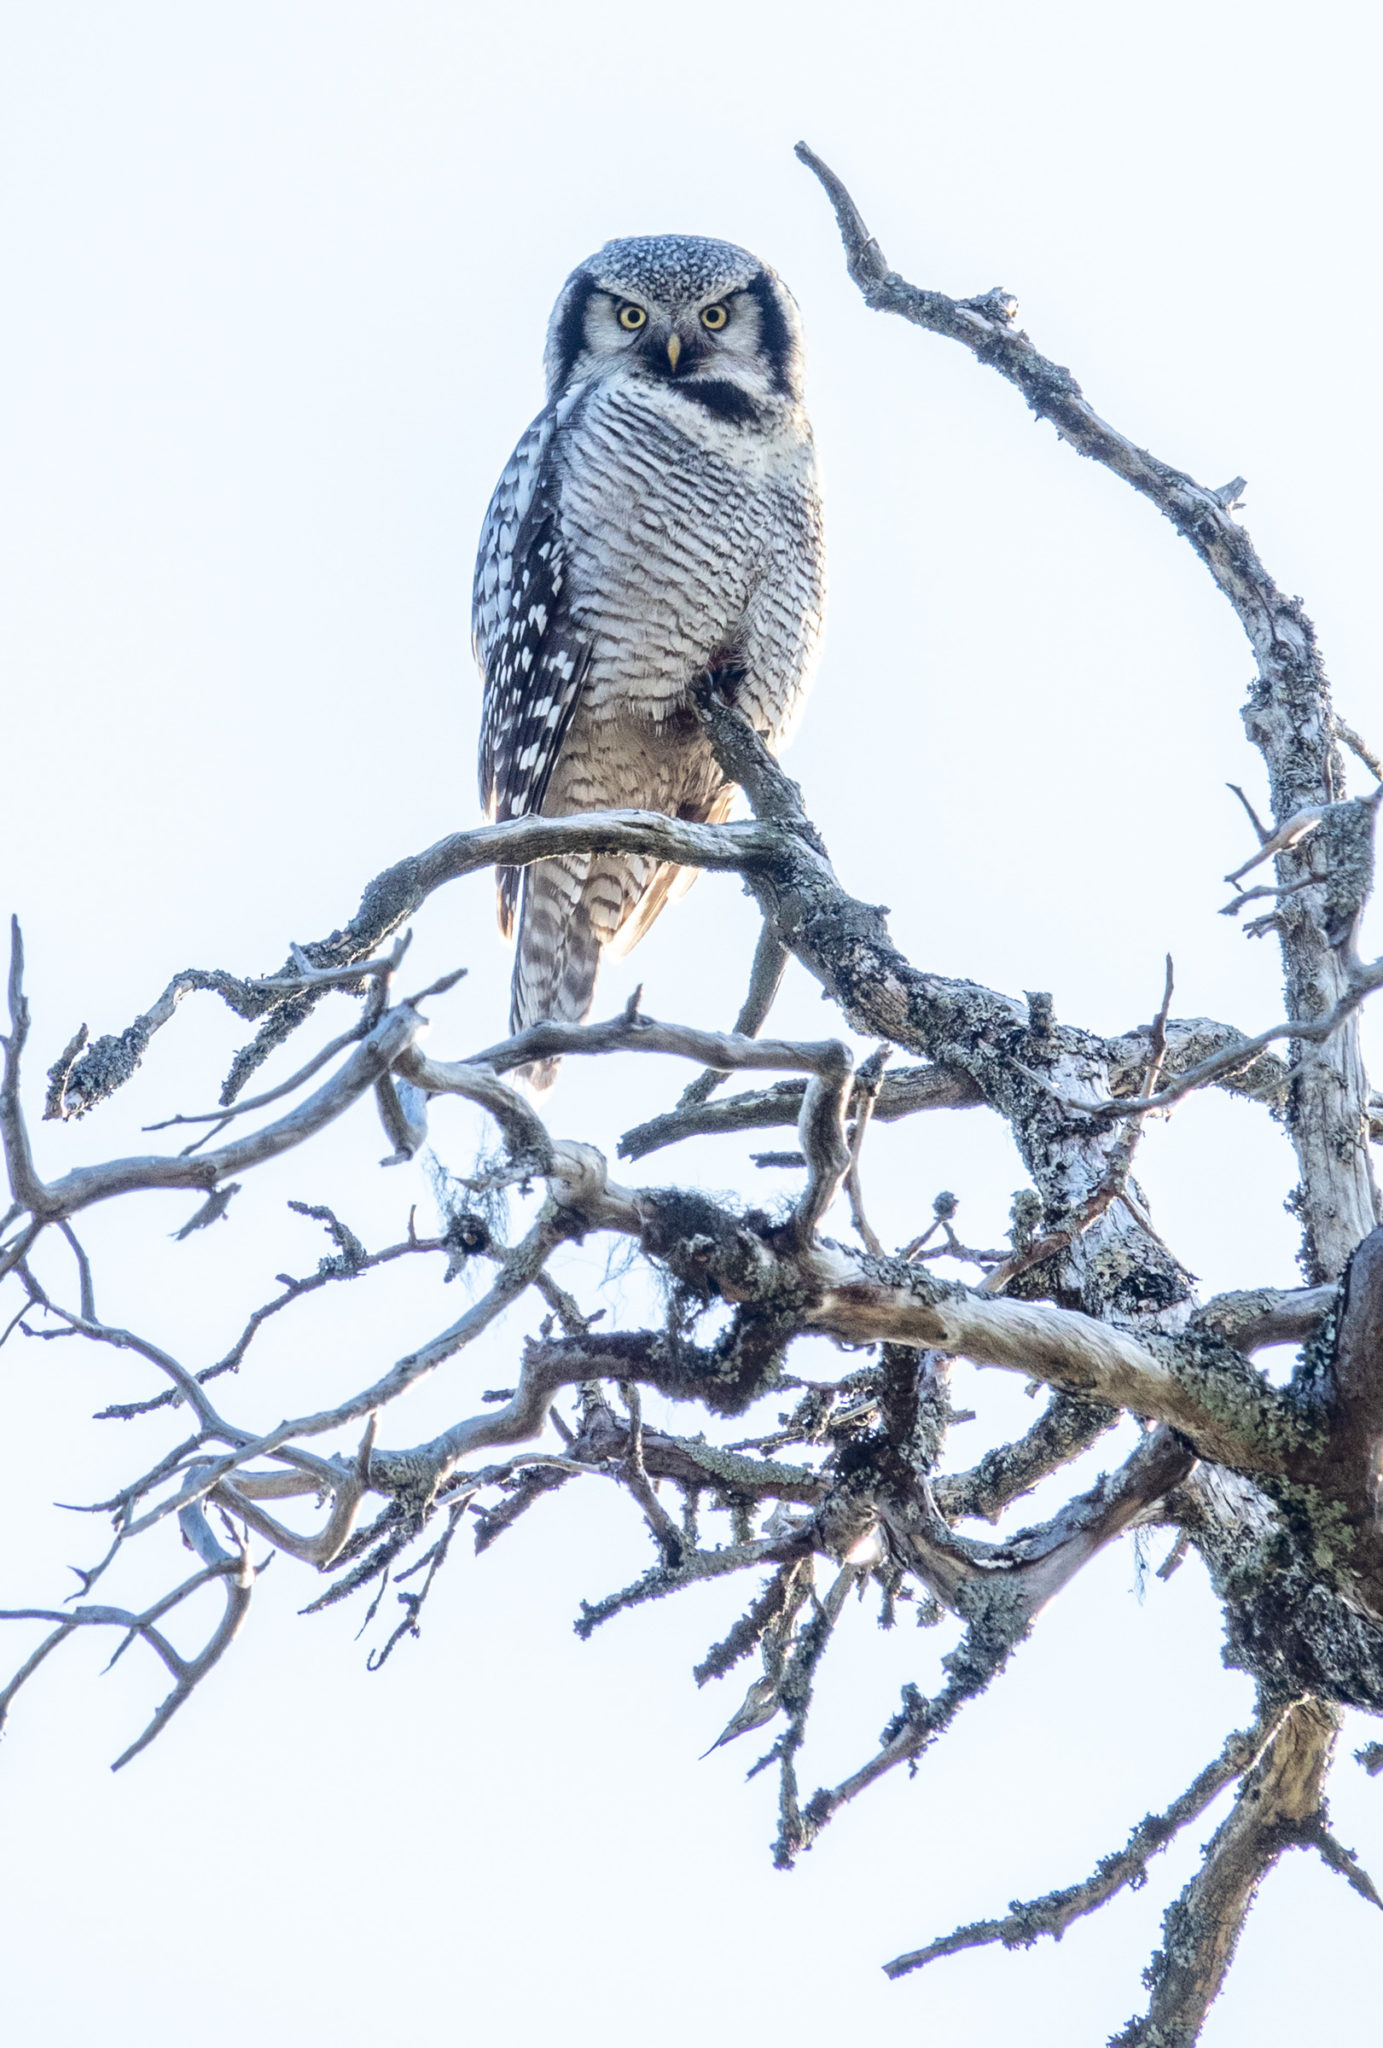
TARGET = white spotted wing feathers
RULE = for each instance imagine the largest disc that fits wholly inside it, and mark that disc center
(532, 661)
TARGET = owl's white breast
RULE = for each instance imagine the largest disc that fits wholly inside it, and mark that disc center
(672, 515)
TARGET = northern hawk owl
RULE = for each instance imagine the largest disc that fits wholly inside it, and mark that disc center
(660, 519)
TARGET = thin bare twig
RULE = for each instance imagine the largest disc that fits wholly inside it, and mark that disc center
(1357, 747)
(765, 979)
(664, 1530)
(868, 1080)
(821, 1134)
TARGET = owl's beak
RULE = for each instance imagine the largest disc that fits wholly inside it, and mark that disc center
(674, 350)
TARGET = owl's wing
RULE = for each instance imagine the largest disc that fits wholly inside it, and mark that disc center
(531, 657)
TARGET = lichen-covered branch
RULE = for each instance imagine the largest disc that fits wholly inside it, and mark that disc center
(1279, 1802)
(1055, 1911)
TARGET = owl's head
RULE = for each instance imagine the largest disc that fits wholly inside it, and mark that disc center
(684, 310)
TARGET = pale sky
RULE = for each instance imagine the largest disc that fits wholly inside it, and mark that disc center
(276, 282)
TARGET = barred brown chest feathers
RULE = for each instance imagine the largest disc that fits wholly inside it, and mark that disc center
(660, 516)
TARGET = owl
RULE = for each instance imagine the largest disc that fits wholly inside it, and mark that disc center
(659, 521)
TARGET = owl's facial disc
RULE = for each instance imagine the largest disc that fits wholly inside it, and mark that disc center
(681, 310)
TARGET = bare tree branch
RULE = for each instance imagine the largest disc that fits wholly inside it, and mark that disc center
(900, 1094)
(1067, 1426)
(1290, 717)
(1280, 1797)
(1055, 1911)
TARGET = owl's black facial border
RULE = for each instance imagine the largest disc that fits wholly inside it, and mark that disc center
(570, 338)
(775, 336)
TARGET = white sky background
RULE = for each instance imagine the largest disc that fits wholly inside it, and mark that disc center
(276, 278)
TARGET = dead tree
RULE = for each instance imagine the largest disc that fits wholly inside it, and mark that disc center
(1276, 1487)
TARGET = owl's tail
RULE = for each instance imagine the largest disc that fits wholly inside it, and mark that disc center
(573, 909)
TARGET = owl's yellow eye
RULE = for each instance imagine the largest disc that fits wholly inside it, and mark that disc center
(715, 317)
(632, 318)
